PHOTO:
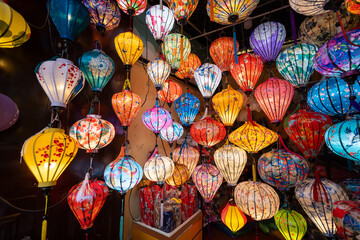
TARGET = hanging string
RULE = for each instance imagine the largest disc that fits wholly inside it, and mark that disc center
(235, 45)
(318, 189)
(44, 222)
(93, 103)
(284, 146)
(249, 118)
(343, 30)
(293, 26)
(127, 85)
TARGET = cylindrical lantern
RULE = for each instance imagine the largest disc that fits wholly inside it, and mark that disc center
(170, 92)
(92, 133)
(172, 132)
(156, 118)
(291, 224)
(222, 51)
(132, 7)
(188, 67)
(9, 112)
(309, 7)
(176, 49)
(158, 168)
(182, 9)
(180, 175)
(187, 106)
(160, 21)
(233, 217)
(207, 78)
(208, 132)
(186, 155)
(231, 161)
(346, 217)
(158, 71)
(257, 200)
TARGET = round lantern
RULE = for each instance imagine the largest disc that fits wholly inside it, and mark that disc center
(296, 63)
(186, 155)
(156, 118)
(222, 52)
(227, 105)
(188, 67)
(274, 97)
(291, 224)
(158, 71)
(176, 49)
(98, 68)
(208, 132)
(92, 133)
(158, 168)
(233, 217)
(9, 112)
(104, 14)
(331, 96)
(207, 77)
(257, 200)
(252, 137)
(170, 92)
(47, 154)
(172, 133)
(267, 39)
(282, 169)
(59, 79)
(309, 7)
(160, 21)
(187, 106)
(182, 9)
(231, 161)
(346, 217)
(15, 30)
(180, 175)
(207, 179)
(317, 198)
(132, 7)
(247, 72)
(307, 129)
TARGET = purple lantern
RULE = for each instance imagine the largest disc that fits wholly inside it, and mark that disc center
(9, 112)
(156, 118)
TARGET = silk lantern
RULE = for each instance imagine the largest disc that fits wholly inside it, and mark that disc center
(156, 118)
(170, 92)
(233, 217)
(291, 224)
(182, 9)
(274, 97)
(159, 168)
(158, 71)
(207, 78)
(172, 133)
(353, 6)
(257, 200)
(188, 67)
(222, 52)
(129, 47)
(92, 133)
(207, 179)
(176, 49)
(179, 176)
(160, 21)
(14, 31)
(187, 106)
(9, 112)
(307, 129)
(309, 7)
(346, 217)
(132, 7)
(208, 132)
(231, 161)
(186, 155)
(317, 198)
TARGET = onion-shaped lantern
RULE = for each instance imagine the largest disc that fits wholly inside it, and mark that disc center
(208, 132)
(9, 112)
(353, 6)
(207, 77)
(176, 49)
(129, 47)
(180, 175)
(317, 198)
(98, 68)
(188, 67)
(186, 155)
(274, 97)
(159, 168)
(233, 217)
(247, 71)
(92, 133)
(158, 71)
(187, 106)
(309, 7)
(346, 217)
(231, 161)
(267, 39)
(307, 129)
(207, 179)
(282, 169)
(132, 7)
(156, 118)
(257, 200)
(183, 9)
(296, 63)
(222, 52)
(170, 92)
(160, 21)
(291, 224)
(15, 30)
(172, 132)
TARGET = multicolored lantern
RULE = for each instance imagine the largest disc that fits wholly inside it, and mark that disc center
(352, 6)
(156, 118)
(176, 49)
(180, 175)
(257, 200)
(170, 92)
(233, 217)
(207, 77)
(159, 168)
(291, 224)
(186, 155)
(188, 67)
(207, 179)
(9, 112)
(267, 39)
(182, 9)
(208, 132)
(158, 71)
(172, 133)
(160, 21)
(309, 7)
(92, 133)
(222, 52)
(307, 129)
(346, 217)
(274, 97)
(187, 106)
(132, 7)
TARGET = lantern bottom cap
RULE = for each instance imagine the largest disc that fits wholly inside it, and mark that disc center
(58, 104)
(46, 184)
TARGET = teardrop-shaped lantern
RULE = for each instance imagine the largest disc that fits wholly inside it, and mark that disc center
(180, 175)
(267, 39)
(176, 49)
(346, 217)
(309, 7)
(156, 118)
(207, 179)
(183, 9)
(158, 71)
(132, 7)
(158, 168)
(257, 200)
(186, 155)
(307, 129)
(233, 217)
(170, 92)
(172, 132)
(296, 63)
(222, 52)
(208, 132)
(188, 67)
(207, 77)
(160, 21)
(9, 112)
(291, 224)
(247, 71)
(187, 106)
(274, 97)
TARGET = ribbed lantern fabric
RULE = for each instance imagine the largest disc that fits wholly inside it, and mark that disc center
(307, 129)
(267, 39)
(182, 9)
(207, 179)
(92, 133)
(170, 92)
(257, 200)
(247, 72)
(129, 47)
(48, 154)
(331, 96)
(158, 168)
(207, 78)
(186, 155)
(222, 52)
(274, 97)
(296, 63)
(282, 169)
(160, 21)
(172, 132)
(188, 67)
(319, 209)
(15, 31)
(176, 49)
(132, 7)
(231, 161)
(180, 175)
(156, 118)
(308, 7)
(353, 6)
(98, 68)
(158, 71)
(9, 112)
(233, 217)
(346, 217)
(291, 224)
(187, 106)
(208, 132)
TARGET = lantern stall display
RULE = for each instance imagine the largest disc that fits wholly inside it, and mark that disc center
(9, 112)
(170, 92)
(179, 176)
(187, 69)
(182, 9)
(291, 224)
(172, 133)
(158, 71)
(156, 118)
(187, 106)
(233, 217)
(346, 217)
(309, 7)
(222, 52)
(176, 48)
(207, 78)
(186, 155)
(208, 132)
(159, 168)
(132, 7)
(160, 21)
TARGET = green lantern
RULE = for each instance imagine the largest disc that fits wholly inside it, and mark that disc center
(291, 224)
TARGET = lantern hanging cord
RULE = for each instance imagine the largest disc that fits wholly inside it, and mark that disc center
(284, 146)
(293, 26)
(344, 32)
(253, 166)
(55, 118)
(93, 103)
(46, 19)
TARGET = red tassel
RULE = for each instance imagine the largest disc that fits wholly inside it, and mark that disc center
(318, 189)
(249, 114)
(343, 31)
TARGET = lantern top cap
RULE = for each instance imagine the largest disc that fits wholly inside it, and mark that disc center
(60, 130)
(94, 116)
(64, 60)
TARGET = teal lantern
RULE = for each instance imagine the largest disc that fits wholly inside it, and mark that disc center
(187, 106)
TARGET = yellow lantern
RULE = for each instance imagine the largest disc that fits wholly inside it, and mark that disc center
(233, 217)
(179, 176)
(227, 105)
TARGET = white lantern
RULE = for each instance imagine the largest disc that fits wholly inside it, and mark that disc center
(158, 71)
(172, 133)
(158, 168)
(186, 155)
(309, 7)
(160, 21)
(207, 77)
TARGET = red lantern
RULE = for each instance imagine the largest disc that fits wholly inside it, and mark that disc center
(170, 92)
(346, 217)
(222, 52)
(188, 67)
(208, 132)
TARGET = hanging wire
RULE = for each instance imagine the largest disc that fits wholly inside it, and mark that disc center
(46, 19)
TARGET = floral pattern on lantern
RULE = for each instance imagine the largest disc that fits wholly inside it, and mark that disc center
(126, 105)
(172, 133)
(159, 168)
(160, 21)
(183, 9)
(176, 49)
(207, 78)
(132, 7)
(187, 106)
(156, 118)
(308, 7)
(208, 132)
(233, 217)
(9, 112)
(170, 92)
(180, 175)
(129, 47)
(222, 52)
(257, 200)
(353, 6)
(291, 224)
(186, 155)
(188, 67)
(158, 71)
(346, 216)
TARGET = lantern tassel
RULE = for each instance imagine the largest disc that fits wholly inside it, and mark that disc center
(122, 202)
(235, 45)
(318, 188)
(343, 30)
(249, 113)
(293, 26)
(85, 189)
(284, 146)
(211, 10)
(44, 222)
(254, 169)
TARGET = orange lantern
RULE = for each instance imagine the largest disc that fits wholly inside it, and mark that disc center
(186, 155)
(170, 92)
(222, 52)
(179, 176)
(188, 67)
(208, 132)
(233, 217)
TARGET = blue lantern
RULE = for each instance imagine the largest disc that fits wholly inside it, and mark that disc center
(331, 96)
(98, 68)
(187, 106)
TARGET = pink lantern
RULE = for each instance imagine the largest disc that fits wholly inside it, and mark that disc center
(9, 112)
(156, 118)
